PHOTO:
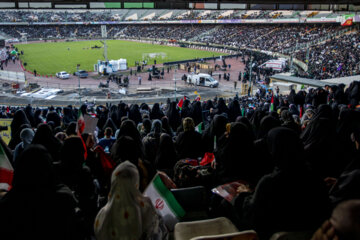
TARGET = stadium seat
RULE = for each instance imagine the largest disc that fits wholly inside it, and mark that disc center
(244, 235)
(194, 201)
(216, 226)
(305, 235)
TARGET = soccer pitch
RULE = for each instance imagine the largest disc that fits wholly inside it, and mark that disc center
(52, 57)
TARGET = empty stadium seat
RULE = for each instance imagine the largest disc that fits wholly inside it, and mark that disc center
(216, 226)
(194, 201)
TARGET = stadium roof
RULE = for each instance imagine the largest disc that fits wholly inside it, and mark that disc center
(298, 80)
(206, 1)
(356, 2)
(186, 4)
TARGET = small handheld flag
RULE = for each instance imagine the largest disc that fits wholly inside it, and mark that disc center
(164, 201)
(272, 104)
(6, 171)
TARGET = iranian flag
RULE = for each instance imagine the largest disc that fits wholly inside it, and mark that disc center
(164, 202)
(347, 19)
(180, 103)
(80, 123)
(6, 171)
(272, 104)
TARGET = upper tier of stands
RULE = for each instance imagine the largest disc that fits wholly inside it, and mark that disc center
(32, 15)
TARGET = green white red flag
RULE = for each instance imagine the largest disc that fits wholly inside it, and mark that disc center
(164, 202)
(6, 171)
(272, 103)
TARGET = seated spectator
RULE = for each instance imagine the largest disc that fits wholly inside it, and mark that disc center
(26, 136)
(288, 121)
(45, 137)
(145, 127)
(232, 156)
(188, 143)
(128, 214)
(108, 140)
(291, 198)
(166, 155)
(18, 121)
(78, 177)
(37, 206)
(126, 148)
(156, 112)
(344, 223)
(151, 141)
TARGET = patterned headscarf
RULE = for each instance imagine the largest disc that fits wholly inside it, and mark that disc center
(127, 214)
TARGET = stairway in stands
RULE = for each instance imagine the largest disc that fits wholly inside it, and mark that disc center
(120, 32)
(194, 39)
(6, 36)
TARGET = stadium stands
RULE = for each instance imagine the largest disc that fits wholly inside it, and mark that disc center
(268, 166)
(122, 14)
(274, 38)
(291, 149)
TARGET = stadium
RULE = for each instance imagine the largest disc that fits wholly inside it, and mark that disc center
(180, 120)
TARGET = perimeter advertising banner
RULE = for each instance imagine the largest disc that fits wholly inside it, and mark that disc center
(356, 18)
(6, 135)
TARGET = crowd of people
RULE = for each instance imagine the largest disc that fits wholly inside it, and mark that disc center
(46, 16)
(298, 153)
(336, 57)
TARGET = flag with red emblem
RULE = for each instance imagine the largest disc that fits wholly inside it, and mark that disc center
(164, 201)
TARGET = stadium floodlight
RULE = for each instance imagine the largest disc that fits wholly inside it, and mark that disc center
(105, 50)
(77, 70)
(104, 36)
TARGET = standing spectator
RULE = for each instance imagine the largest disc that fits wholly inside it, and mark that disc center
(139, 79)
(34, 72)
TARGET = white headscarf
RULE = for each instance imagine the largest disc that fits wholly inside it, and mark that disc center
(128, 214)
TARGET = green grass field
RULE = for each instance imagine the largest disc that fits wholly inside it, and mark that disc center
(49, 58)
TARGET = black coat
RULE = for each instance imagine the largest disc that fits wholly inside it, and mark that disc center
(189, 145)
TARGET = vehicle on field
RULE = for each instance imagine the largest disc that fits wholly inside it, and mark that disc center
(277, 65)
(81, 73)
(202, 79)
(62, 75)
